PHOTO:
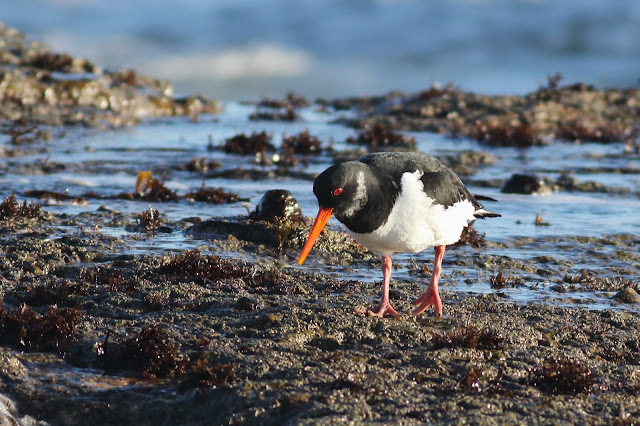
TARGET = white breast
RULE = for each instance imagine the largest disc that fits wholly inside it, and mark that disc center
(417, 222)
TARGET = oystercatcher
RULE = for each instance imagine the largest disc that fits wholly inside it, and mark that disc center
(393, 203)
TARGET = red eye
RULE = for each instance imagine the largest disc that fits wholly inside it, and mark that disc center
(337, 191)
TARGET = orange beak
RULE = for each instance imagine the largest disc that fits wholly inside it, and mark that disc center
(321, 220)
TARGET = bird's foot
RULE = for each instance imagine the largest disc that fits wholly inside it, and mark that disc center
(382, 310)
(428, 298)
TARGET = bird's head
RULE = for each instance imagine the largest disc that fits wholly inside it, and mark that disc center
(342, 188)
(340, 191)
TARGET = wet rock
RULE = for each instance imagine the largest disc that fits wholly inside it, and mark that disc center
(277, 205)
(247, 304)
(570, 183)
(240, 228)
(265, 321)
(552, 112)
(628, 295)
(10, 366)
(62, 90)
(287, 234)
(201, 165)
(9, 414)
(467, 162)
(326, 343)
(309, 354)
(524, 183)
(287, 113)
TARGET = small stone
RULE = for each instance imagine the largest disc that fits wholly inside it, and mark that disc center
(627, 295)
(522, 183)
(300, 398)
(247, 304)
(277, 205)
(325, 343)
(103, 208)
(264, 321)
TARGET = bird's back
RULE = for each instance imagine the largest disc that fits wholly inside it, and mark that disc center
(440, 182)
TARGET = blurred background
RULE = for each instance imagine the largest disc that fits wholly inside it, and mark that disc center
(246, 49)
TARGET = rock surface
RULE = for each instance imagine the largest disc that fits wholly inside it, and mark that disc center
(246, 337)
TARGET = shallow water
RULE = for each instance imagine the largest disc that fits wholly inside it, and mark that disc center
(108, 162)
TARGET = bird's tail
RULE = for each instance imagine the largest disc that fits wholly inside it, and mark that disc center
(481, 213)
(483, 198)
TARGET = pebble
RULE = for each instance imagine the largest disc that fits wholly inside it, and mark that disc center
(628, 295)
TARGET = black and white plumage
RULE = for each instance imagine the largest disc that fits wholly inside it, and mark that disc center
(393, 203)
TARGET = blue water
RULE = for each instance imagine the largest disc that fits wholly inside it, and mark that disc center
(244, 49)
(108, 162)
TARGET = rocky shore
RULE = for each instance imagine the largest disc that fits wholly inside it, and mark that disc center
(90, 333)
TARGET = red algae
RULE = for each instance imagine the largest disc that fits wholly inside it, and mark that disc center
(562, 375)
(468, 337)
(10, 208)
(247, 145)
(52, 331)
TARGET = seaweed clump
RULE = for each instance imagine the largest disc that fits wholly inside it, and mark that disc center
(56, 196)
(291, 99)
(214, 270)
(10, 208)
(470, 337)
(471, 237)
(192, 264)
(499, 133)
(54, 292)
(200, 165)
(21, 131)
(562, 375)
(594, 283)
(203, 375)
(212, 195)
(279, 110)
(52, 331)
(539, 221)
(436, 91)
(52, 61)
(499, 281)
(303, 143)
(246, 145)
(474, 380)
(150, 352)
(584, 130)
(149, 188)
(149, 219)
(376, 135)
(114, 280)
(348, 382)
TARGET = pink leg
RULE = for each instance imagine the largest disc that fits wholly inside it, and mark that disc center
(384, 307)
(432, 296)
